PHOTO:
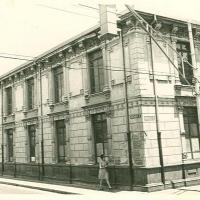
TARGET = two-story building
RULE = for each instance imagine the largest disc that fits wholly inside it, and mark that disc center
(61, 111)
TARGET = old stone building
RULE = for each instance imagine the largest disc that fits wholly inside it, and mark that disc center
(61, 111)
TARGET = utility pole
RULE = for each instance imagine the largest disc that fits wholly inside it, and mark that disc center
(2, 132)
(41, 121)
(128, 131)
(157, 114)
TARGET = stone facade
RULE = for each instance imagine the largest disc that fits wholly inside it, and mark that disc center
(79, 105)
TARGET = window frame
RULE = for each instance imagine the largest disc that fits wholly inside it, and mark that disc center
(190, 116)
(97, 126)
(58, 84)
(96, 71)
(10, 145)
(60, 131)
(32, 134)
(9, 98)
(186, 70)
(30, 97)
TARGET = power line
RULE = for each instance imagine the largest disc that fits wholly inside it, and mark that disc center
(86, 6)
(67, 11)
(111, 68)
(133, 71)
(83, 5)
(15, 58)
(11, 54)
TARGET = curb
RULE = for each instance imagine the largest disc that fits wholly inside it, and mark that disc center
(39, 188)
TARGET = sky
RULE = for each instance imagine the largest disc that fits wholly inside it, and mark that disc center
(31, 27)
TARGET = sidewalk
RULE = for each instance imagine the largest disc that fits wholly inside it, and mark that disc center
(170, 194)
(61, 189)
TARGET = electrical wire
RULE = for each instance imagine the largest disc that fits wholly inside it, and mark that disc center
(20, 55)
(15, 58)
(67, 11)
(114, 68)
(132, 71)
(86, 6)
(108, 68)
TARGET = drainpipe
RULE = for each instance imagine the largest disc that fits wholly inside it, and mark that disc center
(157, 116)
(2, 132)
(41, 118)
(127, 116)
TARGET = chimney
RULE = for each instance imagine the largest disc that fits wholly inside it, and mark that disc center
(108, 19)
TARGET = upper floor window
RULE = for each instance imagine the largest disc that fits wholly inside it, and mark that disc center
(100, 133)
(61, 139)
(32, 143)
(183, 49)
(58, 84)
(10, 144)
(30, 93)
(9, 100)
(96, 71)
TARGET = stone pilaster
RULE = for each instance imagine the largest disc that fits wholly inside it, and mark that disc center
(66, 82)
(86, 78)
(4, 102)
(67, 142)
(90, 138)
(51, 88)
(35, 100)
(26, 143)
(106, 88)
(25, 103)
(53, 142)
(176, 73)
(182, 131)
(14, 144)
(5, 145)
(109, 133)
(37, 146)
(13, 99)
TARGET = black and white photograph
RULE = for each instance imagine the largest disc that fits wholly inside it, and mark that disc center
(99, 99)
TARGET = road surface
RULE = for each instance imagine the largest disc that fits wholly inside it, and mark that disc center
(8, 192)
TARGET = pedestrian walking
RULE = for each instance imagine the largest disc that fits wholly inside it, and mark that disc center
(103, 172)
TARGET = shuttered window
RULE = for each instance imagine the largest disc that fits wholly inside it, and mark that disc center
(10, 144)
(61, 139)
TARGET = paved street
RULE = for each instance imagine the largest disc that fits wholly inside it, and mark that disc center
(18, 192)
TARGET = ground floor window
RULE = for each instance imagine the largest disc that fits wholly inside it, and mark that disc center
(191, 130)
(100, 134)
(10, 144)
(61, 139)
(32, 143)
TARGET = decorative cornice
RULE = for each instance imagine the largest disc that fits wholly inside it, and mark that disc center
(197, 44)
(174, 30)
(157, 25)
(197, 34)
(182, 101)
